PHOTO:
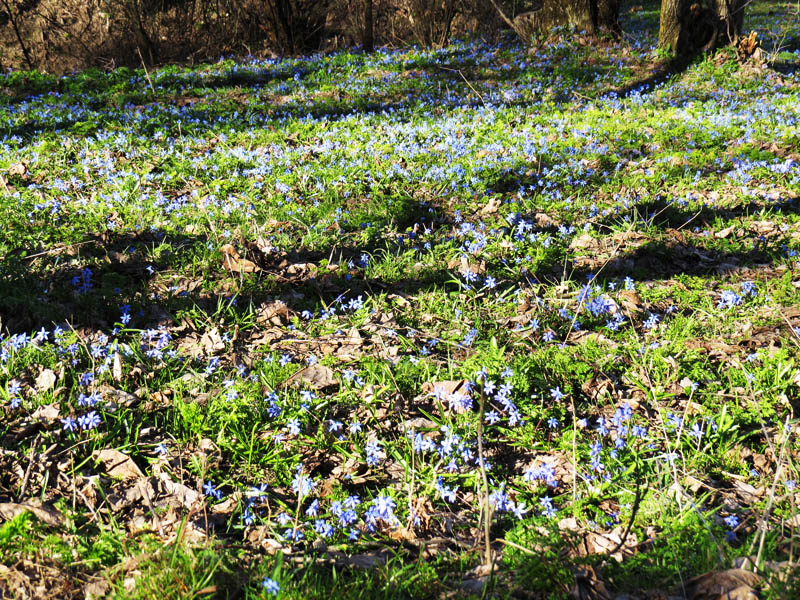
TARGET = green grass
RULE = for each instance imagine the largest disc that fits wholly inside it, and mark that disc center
(613, 267)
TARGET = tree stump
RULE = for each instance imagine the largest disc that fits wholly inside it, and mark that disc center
(690, 27)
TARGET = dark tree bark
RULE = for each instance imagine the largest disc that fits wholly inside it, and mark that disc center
(541, 16)
(607, 16)
(369, 27)
(688, 27)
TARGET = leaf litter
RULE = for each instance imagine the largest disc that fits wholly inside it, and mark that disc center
(350, 368)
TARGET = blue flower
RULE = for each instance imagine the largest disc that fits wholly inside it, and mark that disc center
(89, 421)
(270, 586)
(547, 505)
(651, 321)
(729, 299)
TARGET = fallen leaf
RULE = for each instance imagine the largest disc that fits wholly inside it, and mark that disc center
(117, 464)
(267, 336)
(733, 584)
(273, 313)
(746, 492)
(116, 367)
(46, 514)
(46, 380)
(453, 394)
(47, 413)
(402, 534)
(231, 261)
(317, 377)
(464, 265)
(724, 232)
(118, 398)
(543, 220)
(19, 169)
(97, 589)
(348, 346)
(582, 336)
(491, 206)
(630, 301)
(264, 246)
(300, 268)
(583, 241)
(211, 341)
(399, 300)
(588, 585)
(610, 543)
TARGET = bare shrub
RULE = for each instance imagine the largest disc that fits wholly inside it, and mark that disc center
(432, 20)
(296, 25)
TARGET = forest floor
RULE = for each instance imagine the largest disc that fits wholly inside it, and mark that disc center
(484, 321)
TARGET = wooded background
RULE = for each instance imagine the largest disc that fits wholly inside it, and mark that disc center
(60, 36)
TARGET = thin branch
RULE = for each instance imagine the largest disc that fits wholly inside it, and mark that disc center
(487, 507)
(503, 16)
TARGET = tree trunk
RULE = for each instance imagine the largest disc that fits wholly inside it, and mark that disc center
(607, 16)
(688, 27)
(591, 16)
(369, 27)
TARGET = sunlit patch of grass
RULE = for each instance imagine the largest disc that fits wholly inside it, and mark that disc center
(615, 272)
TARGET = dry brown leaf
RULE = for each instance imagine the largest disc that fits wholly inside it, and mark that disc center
(116, 367)
(301, 269)
(398, 300)
(115, 398)
(491, 206)
(588, 585)
(153, 491)
(746, 492)
(317, 377)
(464, 265)
(97, 589)
(19, 169)
(402, 534)
(259, 536)
(231, 261)
(211, 341)
(630, 301)
(117, 464)
(612, 540)
(267, 336)
(264, 246)
(46, 380)
(46, 514)
(725, 232)
(448, 392)
(47, 413)
(583, 241)
(349, 346)
(597, 387)
(273, 313)
(733, 584)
